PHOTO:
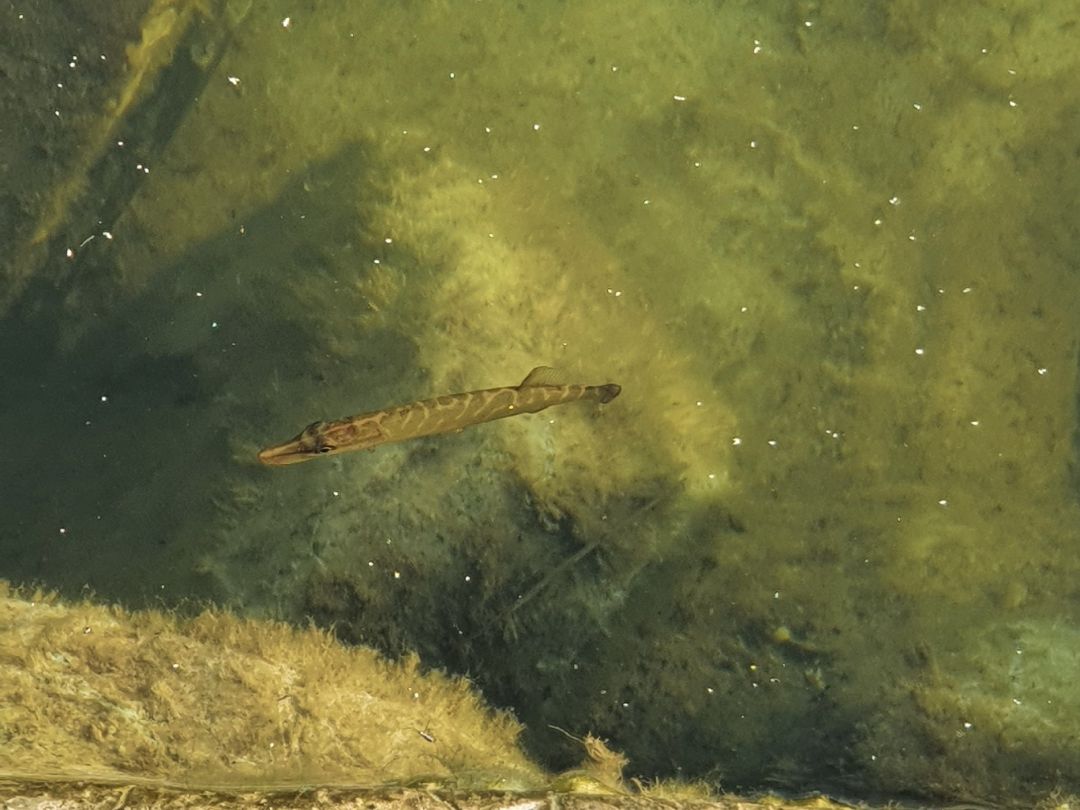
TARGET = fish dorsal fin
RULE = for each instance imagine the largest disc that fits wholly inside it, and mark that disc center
(541, 375)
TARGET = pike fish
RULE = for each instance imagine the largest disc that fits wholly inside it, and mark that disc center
(429, 417)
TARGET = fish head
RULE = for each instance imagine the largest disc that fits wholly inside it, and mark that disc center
(315, 440)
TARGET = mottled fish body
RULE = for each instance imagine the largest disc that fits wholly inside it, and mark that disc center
(445, 414)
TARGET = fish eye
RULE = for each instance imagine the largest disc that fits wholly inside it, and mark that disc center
(324, 448)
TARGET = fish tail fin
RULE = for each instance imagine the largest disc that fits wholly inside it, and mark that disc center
(607, 392)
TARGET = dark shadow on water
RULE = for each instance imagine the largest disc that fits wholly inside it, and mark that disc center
(126, 415)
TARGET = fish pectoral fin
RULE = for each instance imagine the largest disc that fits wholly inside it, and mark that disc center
(541, 375)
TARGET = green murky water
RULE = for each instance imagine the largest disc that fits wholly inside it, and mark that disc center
(823, 540)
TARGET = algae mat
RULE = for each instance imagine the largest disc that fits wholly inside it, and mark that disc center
(103, 707)
(92, 796)
(95, 693)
